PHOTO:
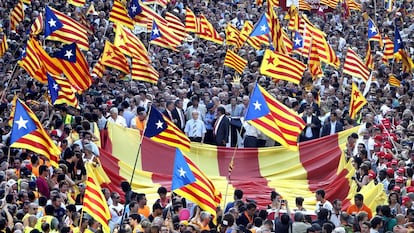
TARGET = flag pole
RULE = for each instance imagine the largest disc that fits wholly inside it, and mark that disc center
(231, 163)
(136, 159)
(8, 81)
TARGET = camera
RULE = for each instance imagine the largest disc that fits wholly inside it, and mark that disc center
(282, 201)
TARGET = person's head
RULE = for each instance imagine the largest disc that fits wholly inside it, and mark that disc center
(162, 192)
(195, 114)
(376, 222)
(142, 199)
(299, 201)
(337, 204)
(365, 226)
(205, 217)
(251, 208)
(49, 210)
(221, 111)
(228, 220)
(323, 214)
(134, 219)
(157, 209)
(299, 217)
(43, 170)
(274, 196)
(327, 227)
(238, 194)
(359, 199)
(320, 195)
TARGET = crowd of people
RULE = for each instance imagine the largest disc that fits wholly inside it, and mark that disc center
(201, 97)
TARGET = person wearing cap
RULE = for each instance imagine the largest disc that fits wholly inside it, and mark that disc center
(359, 206)
(406, 204)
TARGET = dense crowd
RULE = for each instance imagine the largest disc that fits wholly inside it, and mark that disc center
(201, 97)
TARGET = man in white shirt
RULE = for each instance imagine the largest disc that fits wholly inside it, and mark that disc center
(115, 118)
(116, 210)
(321, 201)
(195, 128)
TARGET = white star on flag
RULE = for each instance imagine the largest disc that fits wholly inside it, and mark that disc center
(257, 105)
(263, 28)
(155, 31)
(56, 87)
(21, 123)
(68, 54)
(134, 8)
(372, 29)
(297, 41)
(159, 124)
(52, 23)
(182, 172)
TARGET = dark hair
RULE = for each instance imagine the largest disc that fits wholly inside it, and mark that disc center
(221, 110)
(299, 200)
(359, 197)
(136, 217)
(49, 210)
(376, 221)
(162, 190)
(320, 192)
(386, 211)
(156, 206)
(42, 169)
(273, 195)
(125, 186)
(238, 193)
(284, 219)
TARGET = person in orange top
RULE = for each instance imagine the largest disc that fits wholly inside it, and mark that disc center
(143, 209)
(359, 206)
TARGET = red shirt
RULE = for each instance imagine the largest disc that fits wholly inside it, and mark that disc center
(43, 187)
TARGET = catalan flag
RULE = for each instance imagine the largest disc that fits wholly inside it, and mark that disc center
(129, 44)
(98, 68)
(352, 5)
(78, 3)
(354, 66)
(4, 46)
(407, 63)
(314, 63)
(16, 15)
(94, 201)
(304, 5)
(49, 64)
(112, 57)
(191, 21)
(369, 59)
(160, 129)
(233, 36)
(61, 91)
(309, 32)
(143, 71)
(146, 17)
(28, 133)
(276, 31)
(388, 50)
(274, 119)
(255, 41)
(191, 183)
(31, 62)
(393, 81)
(262, 27)
(281, 66)
(373, 33)
(357, 101)
(207, 31)
(37, 27)
(234, 61)
(28, 2)
(398, 43)
(176, 26)
(91, 10)
(61, 27)
(73, 64)
(120, 15)
(389, 5)
(292, 16)
(297, 41)
(330, 3)
(162, 36)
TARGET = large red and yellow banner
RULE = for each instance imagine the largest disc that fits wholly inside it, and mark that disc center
(318, 164)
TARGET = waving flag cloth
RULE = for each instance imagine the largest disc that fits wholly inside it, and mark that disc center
(354, 66)
(3, 46)
(28, 133)
(191, 21)
(357, 101)
(161, 35)
(274, 119)
(31, 61)
(94, 201)
(388, 50)
(62, 28)
(78, 3)
(373, 33)
(190, 182)
(73, 64)
(145, 17)
(61, 91)
(255, 41)
(393, 81)
(208, 32)
(233, 36)
(130, 45)
(112, 57)
(234, 61)
(176, 26)
(16, 15)
(297, 41)
(256, 171)
(314, 63)
(161, 129)
(98, 68)
(120, 15)
(281, 66)
(369, 59)
(37, 27)
(143, 71)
